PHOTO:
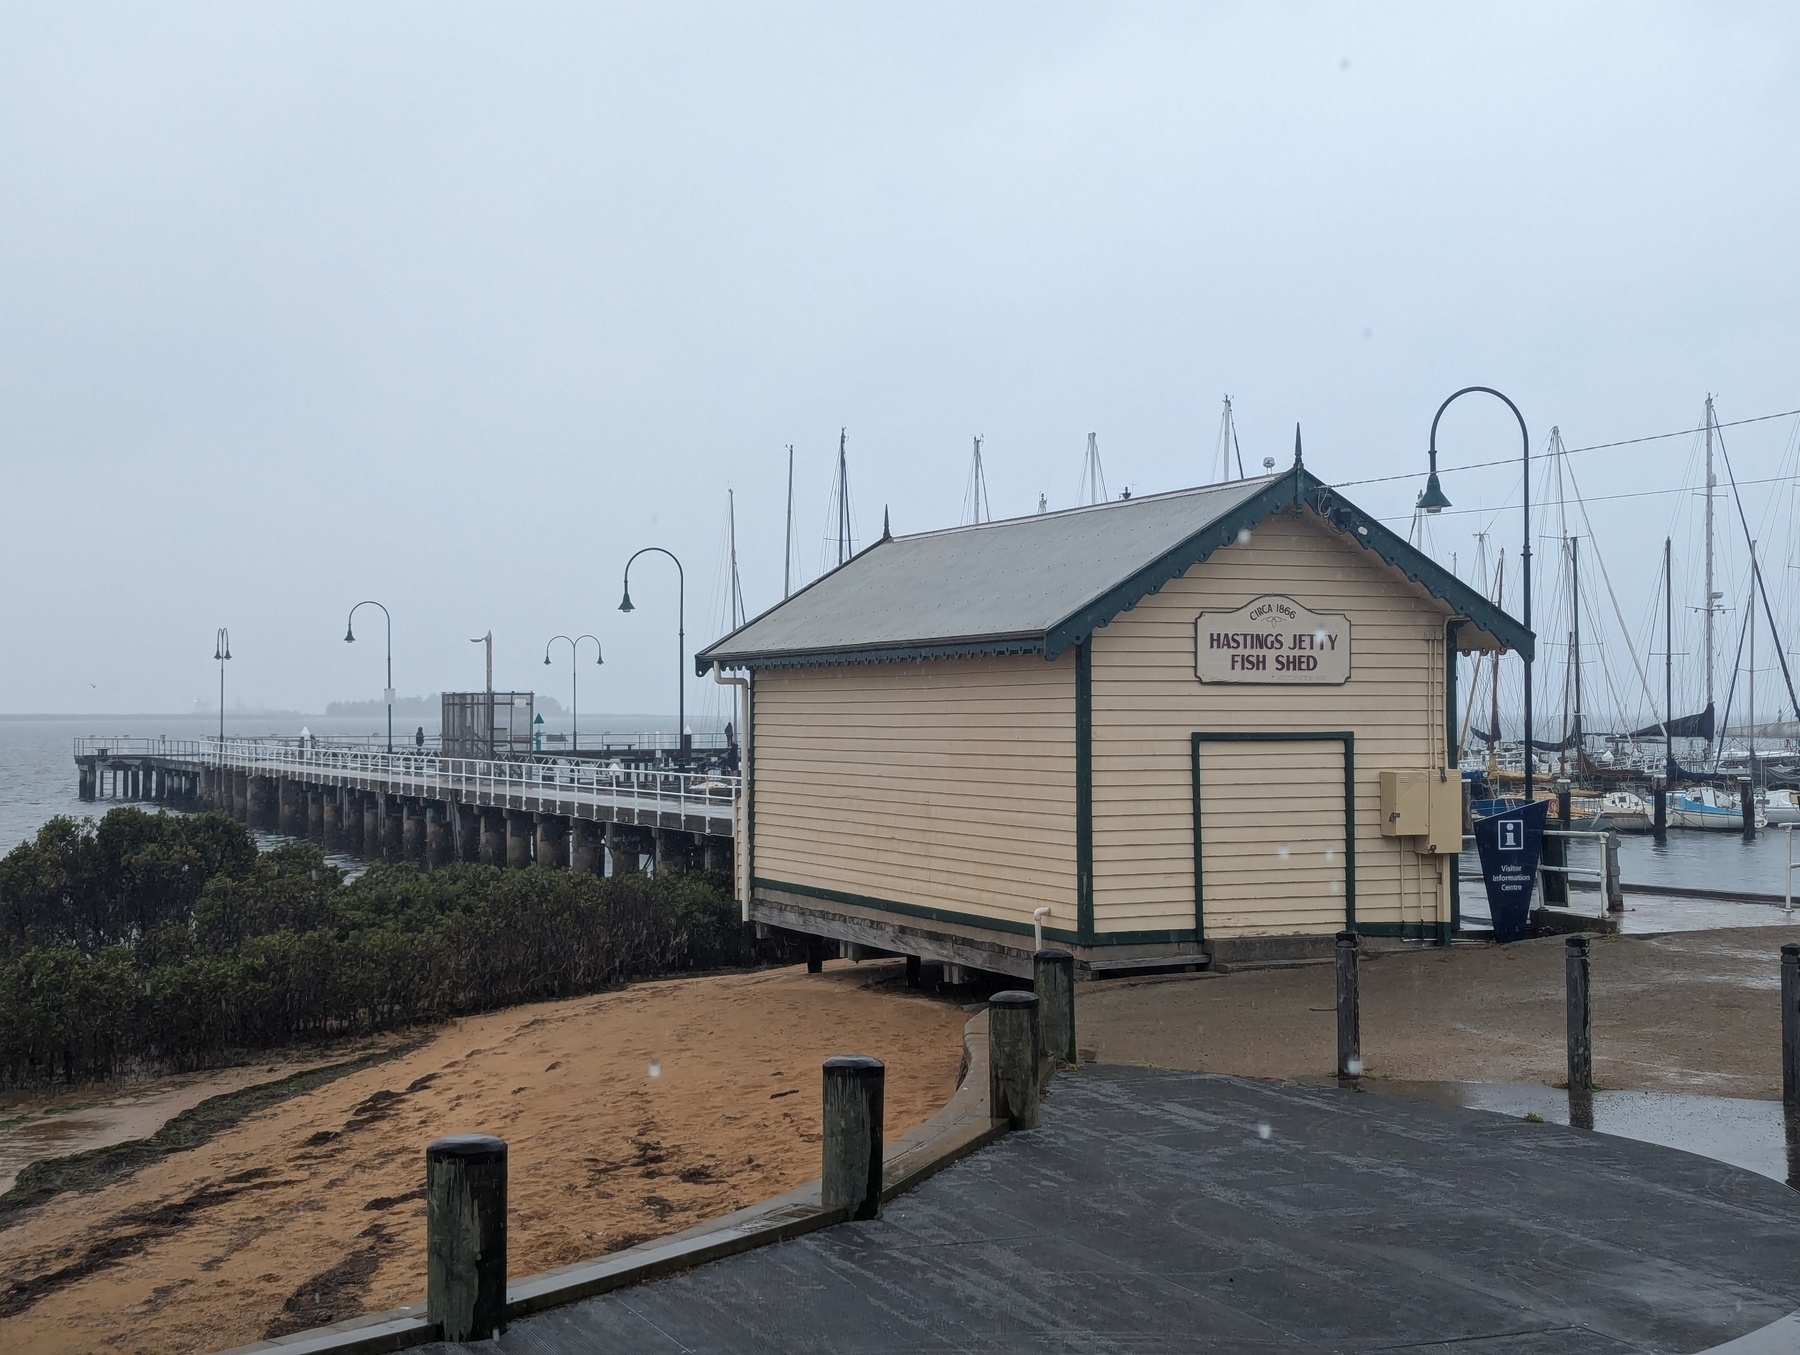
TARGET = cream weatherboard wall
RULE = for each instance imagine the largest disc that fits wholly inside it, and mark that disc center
(1272, 813)
(946, 784)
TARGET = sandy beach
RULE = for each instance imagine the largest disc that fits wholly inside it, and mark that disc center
(629, 1115)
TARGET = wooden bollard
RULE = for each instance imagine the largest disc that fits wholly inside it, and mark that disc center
(850, 1176)
(1349, 1008)
(1747, 806)
(1013, 1058)
(1053, 978)
(1790, 1025)
(1615, 891)
(465, 1236)
(1580, 1017)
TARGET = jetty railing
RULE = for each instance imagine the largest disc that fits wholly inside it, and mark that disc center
(541, 782)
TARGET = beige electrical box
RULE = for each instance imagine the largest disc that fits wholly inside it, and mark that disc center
(1426, 805)
(1405, 804)
(1444, 832)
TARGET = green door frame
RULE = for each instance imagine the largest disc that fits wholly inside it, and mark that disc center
(1343, 736)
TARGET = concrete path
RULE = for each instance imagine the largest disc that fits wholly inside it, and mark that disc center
(1180, 1211)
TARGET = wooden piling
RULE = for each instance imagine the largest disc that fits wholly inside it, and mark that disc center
(518, 839)
(1349, 1008)
(1053, 978)
(1578, 1012)
(1790, 1025)
(493, 837)
(465, 1236)
(1615, 891)
(850, 1175)
(1660, 801)
(913, 968)
(1013, 1085)
(1747, 806)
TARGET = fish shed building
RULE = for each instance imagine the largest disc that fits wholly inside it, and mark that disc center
(1215, 722)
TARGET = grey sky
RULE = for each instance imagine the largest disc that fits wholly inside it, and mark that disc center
(456, 306)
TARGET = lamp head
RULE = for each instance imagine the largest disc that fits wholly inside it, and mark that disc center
(546, 658)
(349, 635)
(626, 606)
(1433, 500)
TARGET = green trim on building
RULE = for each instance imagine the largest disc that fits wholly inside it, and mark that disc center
(1343, 736)
(1084, 790)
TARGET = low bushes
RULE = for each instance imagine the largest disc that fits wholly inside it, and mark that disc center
(166, 941)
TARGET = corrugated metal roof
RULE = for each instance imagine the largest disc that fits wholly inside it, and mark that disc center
(1009, 580)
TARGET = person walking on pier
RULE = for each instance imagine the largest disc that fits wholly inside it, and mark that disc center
(419, 739)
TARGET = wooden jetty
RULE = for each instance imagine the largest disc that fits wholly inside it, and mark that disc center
(556, 812)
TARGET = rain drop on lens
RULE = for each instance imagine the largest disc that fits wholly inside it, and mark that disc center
(1263, 1131)
(1282, 851)
(1354, 1067)
(1243, 536)
(655, 1067)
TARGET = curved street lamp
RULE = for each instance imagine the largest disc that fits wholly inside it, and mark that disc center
(350, 638)
(1433, 500)
(680, 642)
(574, 702)
(222, 652)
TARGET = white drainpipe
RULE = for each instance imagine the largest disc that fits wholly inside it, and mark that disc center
(740, 812)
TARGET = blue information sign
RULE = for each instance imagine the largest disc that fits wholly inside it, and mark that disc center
(1510, 845)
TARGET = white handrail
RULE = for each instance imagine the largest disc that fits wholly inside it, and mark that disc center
(581, 782)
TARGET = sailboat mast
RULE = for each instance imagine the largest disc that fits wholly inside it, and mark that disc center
(737, 589)
(1494, 679)
(843, 503)
(1750, 809)
(1575, 643)
(787, 561)
(1668, 661)
(1228, 444)
(980, 510)
(1711, 597)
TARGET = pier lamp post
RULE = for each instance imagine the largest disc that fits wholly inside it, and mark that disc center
(574, 700)
(1433, 500)
(222, 652)
(680, 640)
(350, 638)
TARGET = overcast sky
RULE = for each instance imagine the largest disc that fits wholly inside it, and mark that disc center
(455, 306)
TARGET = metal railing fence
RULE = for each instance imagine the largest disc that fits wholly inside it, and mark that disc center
(571, 784)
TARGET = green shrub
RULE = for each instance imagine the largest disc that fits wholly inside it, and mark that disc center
(167, 941)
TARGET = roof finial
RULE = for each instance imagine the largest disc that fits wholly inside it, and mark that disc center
(1298, 461)
(887, 533)
(1299, 467)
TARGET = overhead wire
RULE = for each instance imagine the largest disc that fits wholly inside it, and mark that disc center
(1591, 447)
